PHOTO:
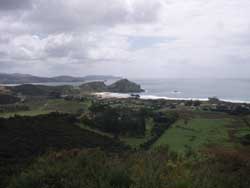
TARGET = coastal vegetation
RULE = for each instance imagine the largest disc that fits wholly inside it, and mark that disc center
(157, 168)
(65, 137)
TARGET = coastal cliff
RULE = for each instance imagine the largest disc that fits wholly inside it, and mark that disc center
(125, 86)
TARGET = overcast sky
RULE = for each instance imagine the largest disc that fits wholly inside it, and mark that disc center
(130, 38)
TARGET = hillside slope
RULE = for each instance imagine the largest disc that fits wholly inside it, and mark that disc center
(125, 86)
(27, 78)
(120, 86)
(24, 138)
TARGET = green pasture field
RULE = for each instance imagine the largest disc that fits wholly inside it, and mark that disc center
(194, 134)
(52, 105)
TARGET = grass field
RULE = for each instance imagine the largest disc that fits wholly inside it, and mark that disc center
(46, 106)
(65, 106)
(81, 125)
(196, 133)
(241, 128)
(25, 113)
(242, 132)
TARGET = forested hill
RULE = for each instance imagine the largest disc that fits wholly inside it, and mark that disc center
(120, 86)
(27, 78)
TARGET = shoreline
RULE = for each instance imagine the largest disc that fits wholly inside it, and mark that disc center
(109, 95)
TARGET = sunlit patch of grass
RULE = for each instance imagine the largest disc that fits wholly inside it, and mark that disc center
(195, 134)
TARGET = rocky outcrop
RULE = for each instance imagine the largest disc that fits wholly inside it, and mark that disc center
(121, 86)
(125, 86)
(94, 87)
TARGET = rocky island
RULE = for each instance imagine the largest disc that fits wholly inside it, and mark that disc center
(121, 86)
(125, 86)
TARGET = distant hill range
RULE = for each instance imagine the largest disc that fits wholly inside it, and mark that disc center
(27, 78)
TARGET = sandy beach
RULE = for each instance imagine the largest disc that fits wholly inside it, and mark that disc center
(108, 95)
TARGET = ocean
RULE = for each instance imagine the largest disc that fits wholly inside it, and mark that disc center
(233, 90)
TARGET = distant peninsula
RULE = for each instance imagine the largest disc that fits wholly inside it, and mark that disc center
(13, 94)
(17, 78)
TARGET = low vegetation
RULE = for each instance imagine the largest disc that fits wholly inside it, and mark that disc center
(8, 99)
(49, 139)
(118, 121)
(23, 138)
(158, 168)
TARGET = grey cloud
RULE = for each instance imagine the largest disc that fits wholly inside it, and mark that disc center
(10, 66)
(61, 51)
(4, 38)
(3, 54)
(68, 16)
(82, 19)
(144, 12)
(6, 5)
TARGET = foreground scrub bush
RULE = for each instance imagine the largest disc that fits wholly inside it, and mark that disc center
(155, 169)
(94, 168)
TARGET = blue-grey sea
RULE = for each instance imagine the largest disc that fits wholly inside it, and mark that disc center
(235, 90)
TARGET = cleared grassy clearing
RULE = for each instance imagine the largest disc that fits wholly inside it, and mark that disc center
(195, 134)
(43, 106)
(242, 132)
(64, 106)
(81, 125)
(241, 128)
(25, 113)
